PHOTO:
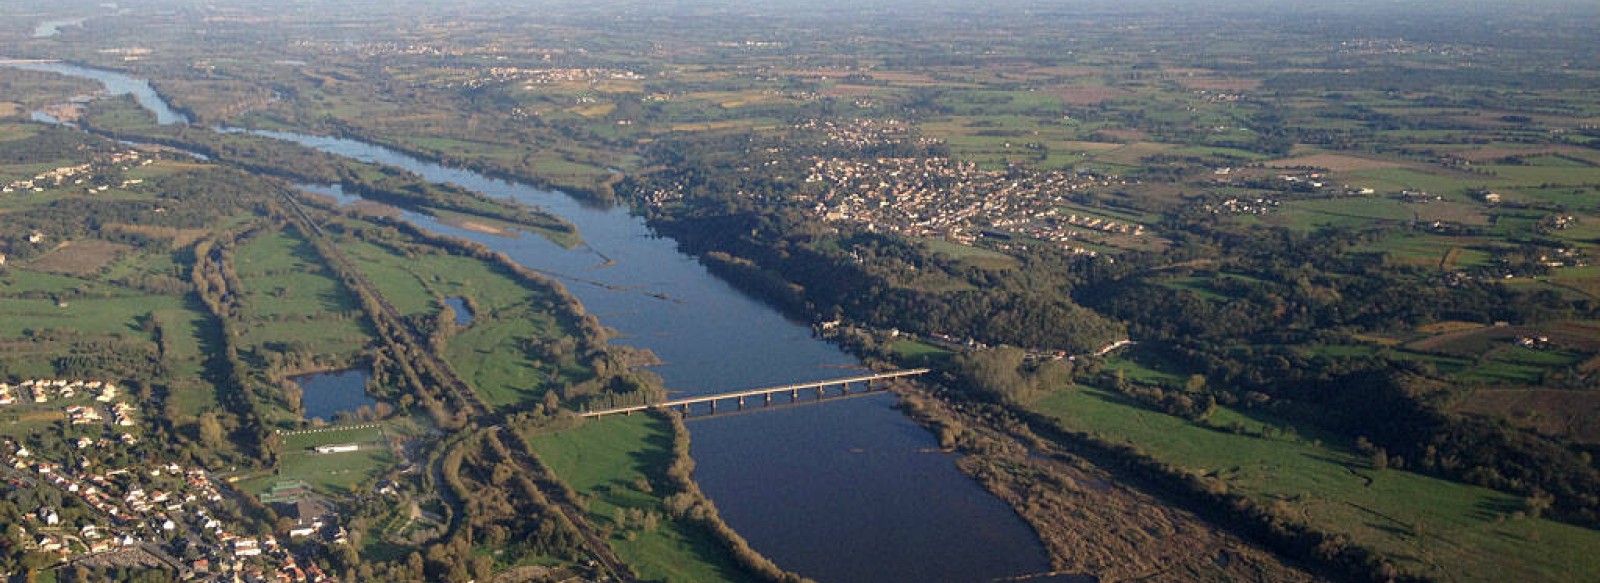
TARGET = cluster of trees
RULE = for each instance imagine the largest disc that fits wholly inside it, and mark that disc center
(110, 358)
(1284, 283)
(240, 394)
(494, 504)
(49, 144)
(1007, 375)
(1191, 402)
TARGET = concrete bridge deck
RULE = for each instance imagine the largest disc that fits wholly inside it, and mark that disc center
(766, 393)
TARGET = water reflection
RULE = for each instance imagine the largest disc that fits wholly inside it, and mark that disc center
(325, 395)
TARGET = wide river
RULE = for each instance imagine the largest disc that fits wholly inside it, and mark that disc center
(845, 491)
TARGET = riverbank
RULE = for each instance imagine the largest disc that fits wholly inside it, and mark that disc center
(1092, 522)
(632, 475)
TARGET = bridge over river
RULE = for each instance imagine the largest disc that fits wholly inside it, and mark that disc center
(765, 393)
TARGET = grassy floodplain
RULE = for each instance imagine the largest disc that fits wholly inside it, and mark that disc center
(606, 462)
(294, 299)
(492, 353)
(1430, 527)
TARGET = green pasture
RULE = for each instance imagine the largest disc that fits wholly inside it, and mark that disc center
(1341, 212)
(185, 334)
(389, 273)
(605, 461)
(971, 255)
(308, 439)
(1427, 526)
(291, 298)
(489, 356)
(116, 315)
(919, 353)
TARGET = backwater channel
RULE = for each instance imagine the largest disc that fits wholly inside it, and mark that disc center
(846, 491)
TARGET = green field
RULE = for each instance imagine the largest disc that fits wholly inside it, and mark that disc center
(414, 284)
(489, 357)
(145, 263)
(1449, 184)
(116, 315)
(1143, 365)
(918, 353)
(1584, 280)
(1343, 212)
(15, 281)
(1428, 526)
(491, 353)
(387, 271)
(333, 474)
(1431, 252)
(293, 300)
(607, 460)
(1198, 285)
(361, 433)
(185, 333)
(1582, 199)
(975, 256)
(1567, 175)
(1518, 365)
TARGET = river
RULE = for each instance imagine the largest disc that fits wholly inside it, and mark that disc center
(116, 84)
(848, 491)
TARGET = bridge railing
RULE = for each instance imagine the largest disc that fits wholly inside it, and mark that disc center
(759, 392)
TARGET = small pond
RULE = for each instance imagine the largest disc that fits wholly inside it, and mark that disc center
(327, 394)
(463, 313)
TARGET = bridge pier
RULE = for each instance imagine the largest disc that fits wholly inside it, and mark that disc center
(741, 403)
(769, 398)
(794, 395)
(713, 404)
